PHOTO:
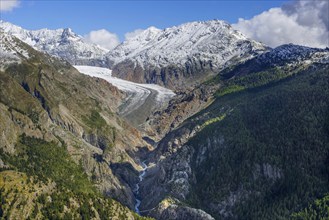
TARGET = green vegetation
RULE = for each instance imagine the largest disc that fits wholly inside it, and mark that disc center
(271, 152)
(16, 98)
(213, 120)
(103, 208)
(95, 120)
(260, 78)
(229, 89)
(45, 163)
(23, 197)
(46, 160)
(317, 210)
(97, 125)
(34, 116)
(252, 80)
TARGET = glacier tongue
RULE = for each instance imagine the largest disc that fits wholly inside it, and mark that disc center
(137, 94)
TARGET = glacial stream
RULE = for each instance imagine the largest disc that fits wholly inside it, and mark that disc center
(136, 190)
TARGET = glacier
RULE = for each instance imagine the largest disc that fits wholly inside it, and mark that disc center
(137, 93)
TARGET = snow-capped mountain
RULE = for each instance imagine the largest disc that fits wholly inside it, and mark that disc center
(192, 47)
(287, 58)
(63, 43)
(11, 50)
(210, 40)
(132, 47)
(290, 53)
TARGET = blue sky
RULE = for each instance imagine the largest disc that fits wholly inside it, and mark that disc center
(273, 22)
(121, 17)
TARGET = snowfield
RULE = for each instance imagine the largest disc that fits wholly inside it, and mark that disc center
(139, 96)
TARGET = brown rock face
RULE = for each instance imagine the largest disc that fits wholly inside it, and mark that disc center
(129, 71)
(185, 104)
(173, 77)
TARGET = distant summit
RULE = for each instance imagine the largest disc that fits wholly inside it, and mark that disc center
(182, 54)
(62, 43)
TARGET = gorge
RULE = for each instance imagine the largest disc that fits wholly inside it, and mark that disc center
(195, 121)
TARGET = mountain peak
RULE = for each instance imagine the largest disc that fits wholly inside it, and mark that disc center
(217, 24)
(148, 34)
(9, 27)
(61, 43)
(68, 31)
(68, 35)
(208, 40)
(153, 29)
(208, 22)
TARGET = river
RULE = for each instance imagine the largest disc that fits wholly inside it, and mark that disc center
(136, 190)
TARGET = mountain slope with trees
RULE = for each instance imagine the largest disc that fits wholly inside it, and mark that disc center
(260, 150)
(60, 136)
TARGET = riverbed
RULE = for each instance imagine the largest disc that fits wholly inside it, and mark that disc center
(136, 190)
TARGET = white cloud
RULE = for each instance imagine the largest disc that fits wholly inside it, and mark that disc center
(8, 5)
(300, 22)
(132, 34)
(103, 38)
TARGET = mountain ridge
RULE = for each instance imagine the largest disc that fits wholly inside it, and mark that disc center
(182, 55)
(189, 52)
(62, 43)
(185, 39)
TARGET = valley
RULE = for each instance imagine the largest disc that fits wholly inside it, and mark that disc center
(195, 121)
